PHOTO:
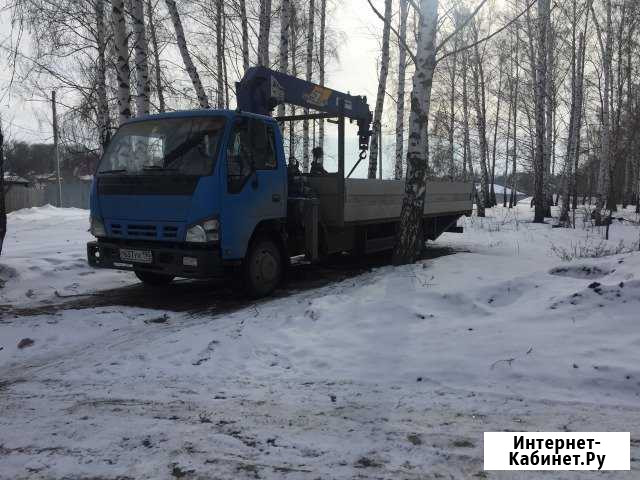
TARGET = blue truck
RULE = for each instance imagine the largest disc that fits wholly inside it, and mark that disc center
(209, 193)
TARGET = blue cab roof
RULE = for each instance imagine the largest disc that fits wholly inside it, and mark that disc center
(202, 112)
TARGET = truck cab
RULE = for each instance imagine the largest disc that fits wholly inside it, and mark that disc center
(186, 194)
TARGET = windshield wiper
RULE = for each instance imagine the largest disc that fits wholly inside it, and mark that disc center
(158, 168)
(116, 170)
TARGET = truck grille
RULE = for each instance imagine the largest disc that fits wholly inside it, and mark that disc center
(141, 231)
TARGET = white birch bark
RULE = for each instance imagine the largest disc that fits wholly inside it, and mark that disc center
(466, 159)
(104, 120)
(410, 236)
(283, 50)
(605, 40)
(121, 44)
(402, 68)
(143, 89)
(481, 124)
(322, 66)
(220, 75)
(540, 103)
(264, 33)
(305, 123)
(293, 43)
(244, 24)
(203, 100)
(156, 57)
(382, 89)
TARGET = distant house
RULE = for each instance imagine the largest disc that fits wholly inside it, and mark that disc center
(11, 179)
(499, 189)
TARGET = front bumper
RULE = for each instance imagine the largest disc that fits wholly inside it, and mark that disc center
(166, 259)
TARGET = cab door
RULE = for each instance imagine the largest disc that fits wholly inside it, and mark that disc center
(254, 187)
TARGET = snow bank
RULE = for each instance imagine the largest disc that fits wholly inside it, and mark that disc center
(45, 251)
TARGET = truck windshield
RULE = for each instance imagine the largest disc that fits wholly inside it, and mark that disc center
(178, 145)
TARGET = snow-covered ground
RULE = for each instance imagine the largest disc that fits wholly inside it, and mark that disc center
(393, 374)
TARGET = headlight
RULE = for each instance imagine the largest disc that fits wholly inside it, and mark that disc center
(207, 231)
(97, 228)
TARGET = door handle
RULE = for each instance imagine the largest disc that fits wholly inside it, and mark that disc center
(275, 197)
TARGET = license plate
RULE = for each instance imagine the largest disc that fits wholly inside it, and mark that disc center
(138, 256)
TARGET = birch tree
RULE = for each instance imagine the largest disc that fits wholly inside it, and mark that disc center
(382, 90)
(121, 44)
(189, 66)
(410, 235)
(479, 88)
(244, 25)
(605, 41)
(309, 71)
(402, 68)
(141, 50)
(153, 36)
(220, 73)
(104, 119)
(264, 33)
(283, 51)
(540, 81)
(322, 62)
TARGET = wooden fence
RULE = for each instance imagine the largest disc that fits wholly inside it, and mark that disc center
(74, 194)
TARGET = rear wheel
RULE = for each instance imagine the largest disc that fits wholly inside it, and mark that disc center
(154, 279)
(263, 267)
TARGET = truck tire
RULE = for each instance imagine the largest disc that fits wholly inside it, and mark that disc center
(263, 267)
(154, 279)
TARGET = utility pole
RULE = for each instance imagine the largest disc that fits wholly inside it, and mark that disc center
(56, 152)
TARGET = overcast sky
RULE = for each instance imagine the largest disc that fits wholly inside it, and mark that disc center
(28, 118)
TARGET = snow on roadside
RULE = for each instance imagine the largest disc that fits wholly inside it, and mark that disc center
(44, 252)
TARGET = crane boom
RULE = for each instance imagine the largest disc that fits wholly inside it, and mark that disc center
(262, 89)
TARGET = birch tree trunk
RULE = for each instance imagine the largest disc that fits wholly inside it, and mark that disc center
(410, 237)
(540, 93)
(220, 80)
(283, 50)
(402, 67)
(452, 99)
(244, 24)
(481, 124)
(466, 160)
(294, 72)
(143, 89)
(605, 40)
(322, 61)
(104, 119)
(382, 89)
(549, 120)
(573, 119)
(513, 200)
(203, 100)
(156, 57)
(305, 123)
(121, 44)
(494, 201)
(264, 33)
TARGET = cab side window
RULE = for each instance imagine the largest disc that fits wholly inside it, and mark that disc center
(239, 157)
(251, 147)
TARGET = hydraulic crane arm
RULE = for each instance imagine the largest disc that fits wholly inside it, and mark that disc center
(262, 89)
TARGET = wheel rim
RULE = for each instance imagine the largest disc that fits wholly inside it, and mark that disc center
(265, 268)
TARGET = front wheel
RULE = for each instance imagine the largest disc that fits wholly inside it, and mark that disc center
(154, 279)
(263, 268)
